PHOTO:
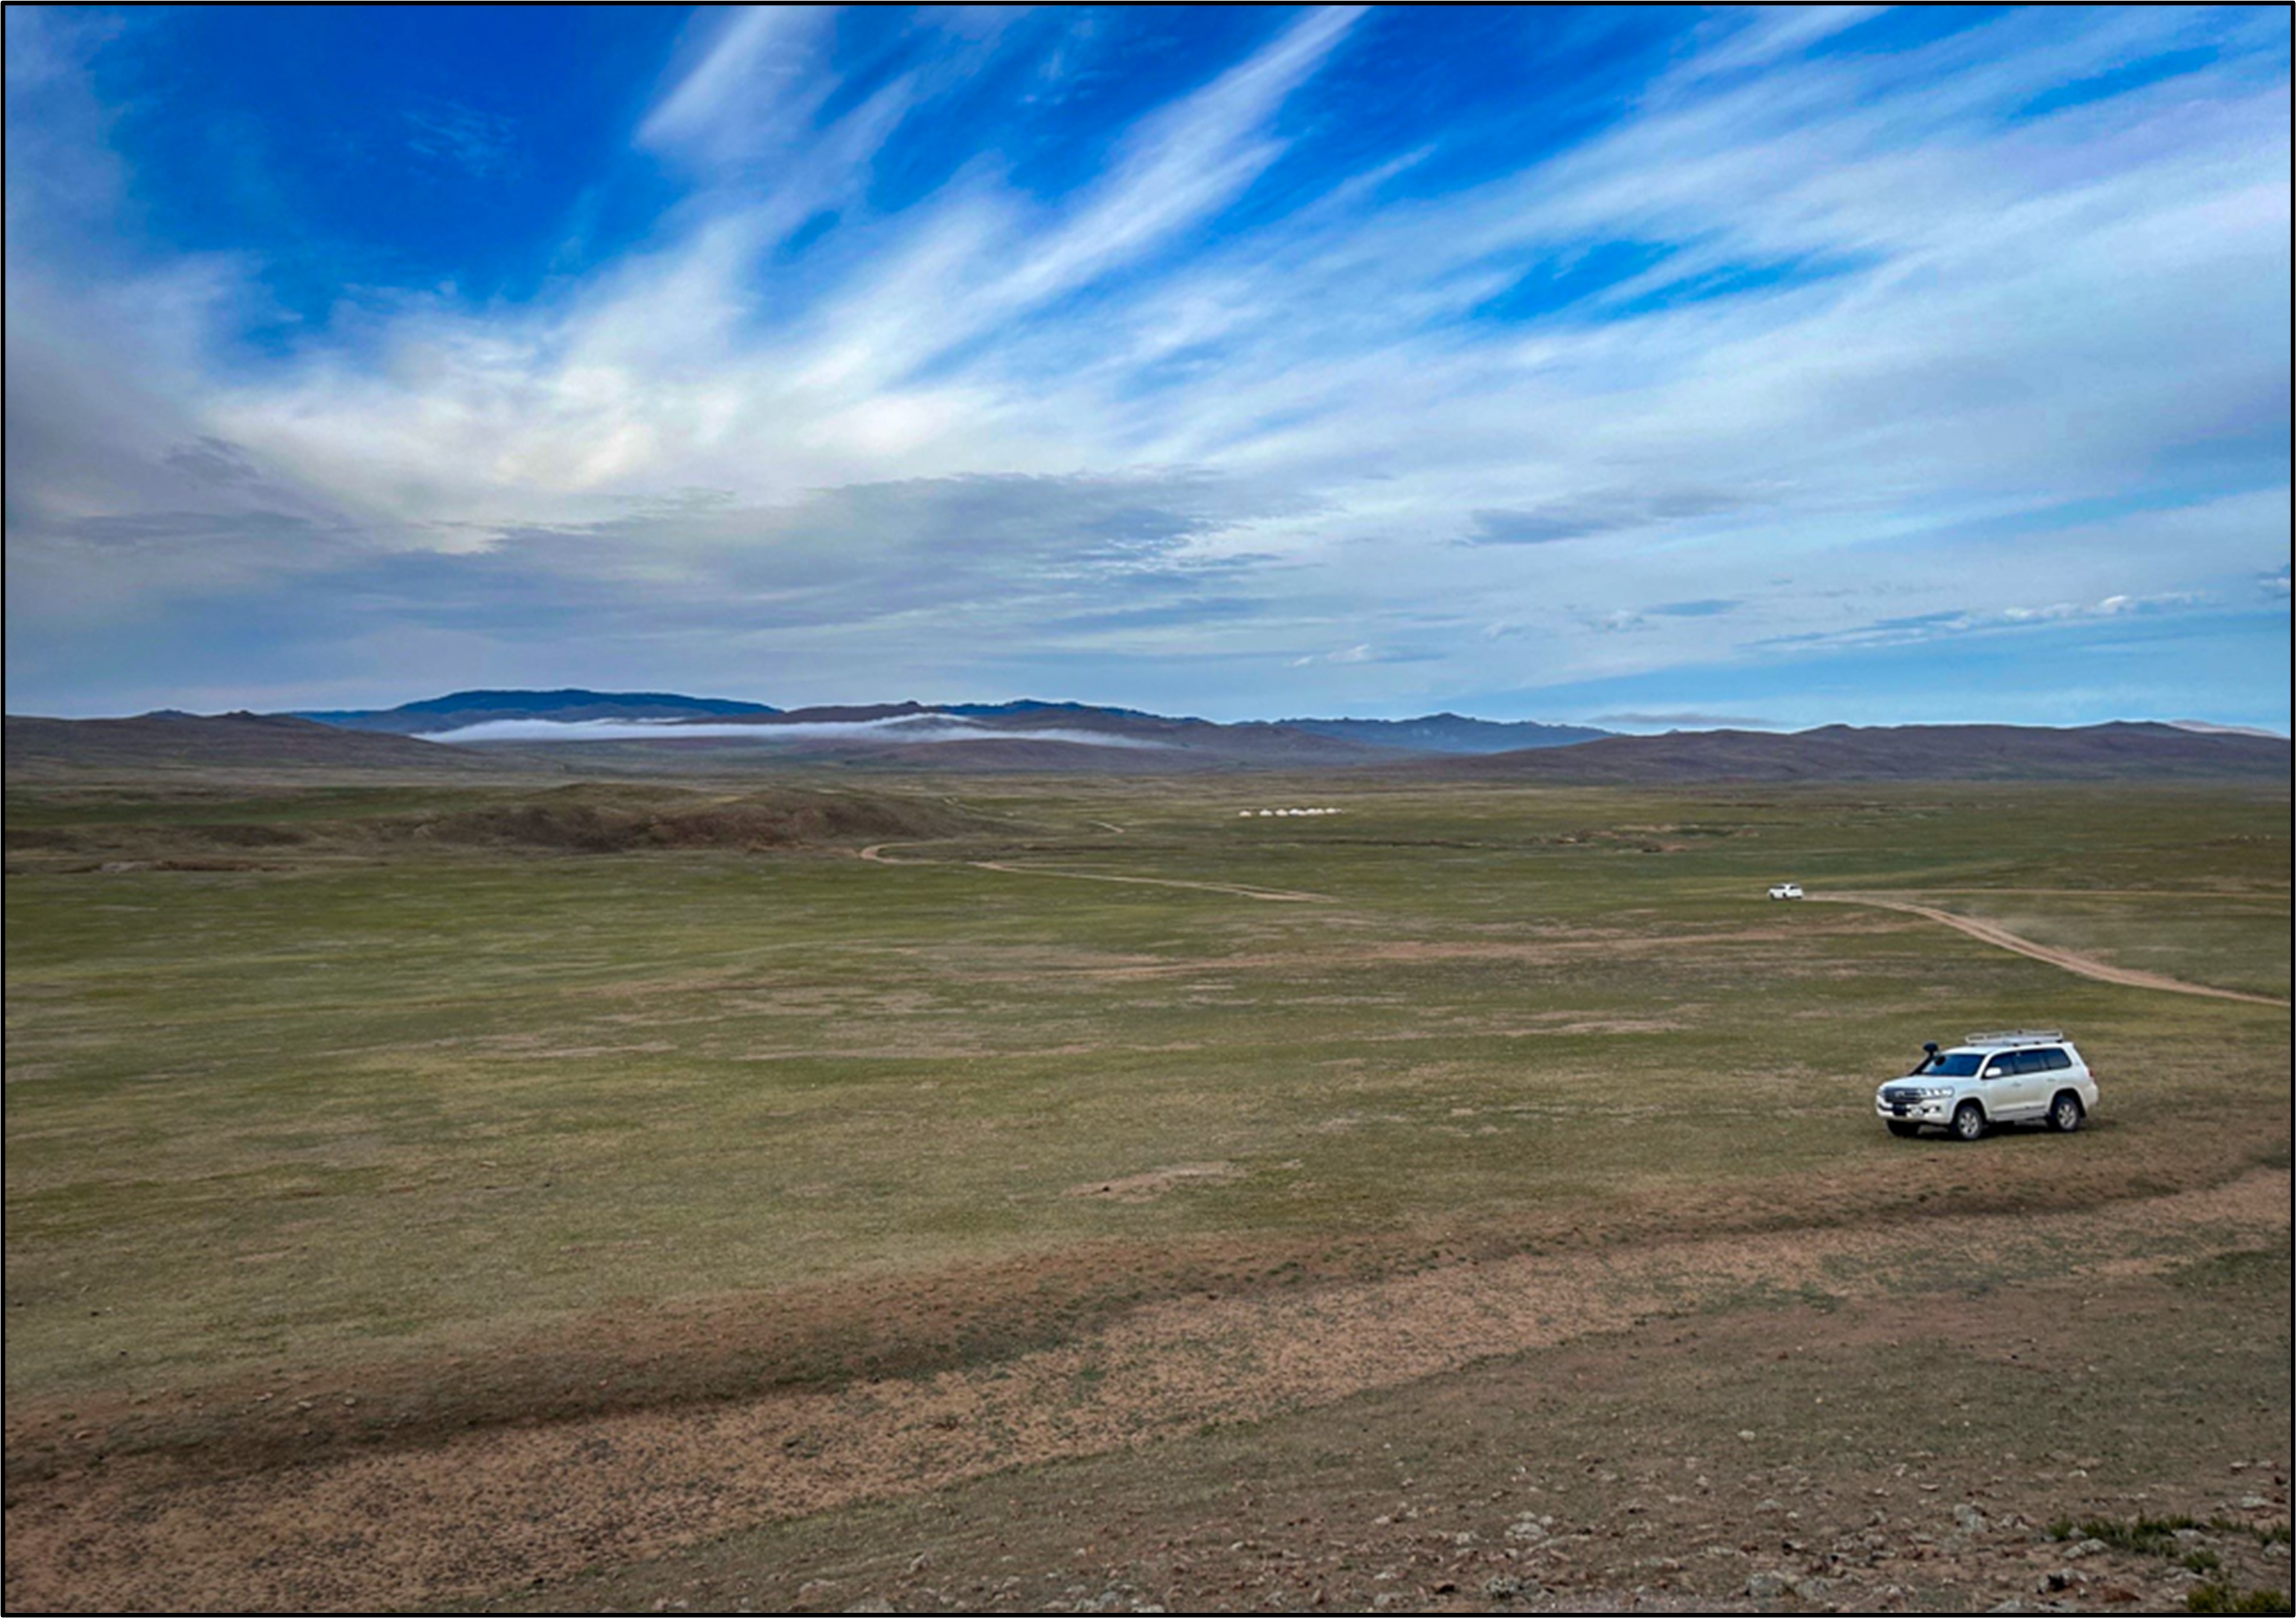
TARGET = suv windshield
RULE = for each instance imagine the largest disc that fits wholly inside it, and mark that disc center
(1957, 1065)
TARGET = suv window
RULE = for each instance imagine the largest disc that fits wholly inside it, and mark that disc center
(2055, 1061)
(2027, 1061)
(1957, 1065)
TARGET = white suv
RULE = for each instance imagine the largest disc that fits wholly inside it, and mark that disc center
(2021, 1075)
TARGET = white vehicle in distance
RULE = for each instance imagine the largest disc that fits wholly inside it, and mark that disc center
(1786, 890)
(2018, 1076)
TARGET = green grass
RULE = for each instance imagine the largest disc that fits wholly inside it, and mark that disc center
(380, 1098)
(2145, 1535)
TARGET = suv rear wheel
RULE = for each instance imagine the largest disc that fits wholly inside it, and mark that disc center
(1968, 1121)
(2065, 1113)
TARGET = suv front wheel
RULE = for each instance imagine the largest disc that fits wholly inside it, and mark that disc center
(1968, 1121)
(2065, 1113)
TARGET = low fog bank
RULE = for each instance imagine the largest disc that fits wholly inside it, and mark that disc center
(904, 729)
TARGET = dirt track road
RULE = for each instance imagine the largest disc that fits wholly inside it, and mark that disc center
(2082, 966)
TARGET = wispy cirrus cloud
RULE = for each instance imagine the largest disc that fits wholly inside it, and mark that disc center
(1285, 392)
(1917, 628)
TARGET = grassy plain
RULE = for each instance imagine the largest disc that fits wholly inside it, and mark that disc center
(293, 1093)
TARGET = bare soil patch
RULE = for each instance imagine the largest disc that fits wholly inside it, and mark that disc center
(1156, 1182)
(1950, 1451)
(360, 1526)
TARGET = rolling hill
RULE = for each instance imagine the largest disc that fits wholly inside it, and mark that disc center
(173, 742)
(1845, 753)
(1449, 733)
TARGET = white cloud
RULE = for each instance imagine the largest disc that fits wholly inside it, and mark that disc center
(946, 443)
(1182, 165)
(1920, 628)
(1757, 37)
(1345, 654)
(757, 80)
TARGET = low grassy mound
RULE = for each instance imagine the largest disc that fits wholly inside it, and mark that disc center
(618, 819)
(168, 744)
(591, 818)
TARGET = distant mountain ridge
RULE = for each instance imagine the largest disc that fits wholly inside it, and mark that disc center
(1444, 733)
(2118, 751)
(1441, 744)
(1451, 733)
(678, 734)
(1029, 707)
(458, 709)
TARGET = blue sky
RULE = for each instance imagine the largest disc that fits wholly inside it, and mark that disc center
(1637, 367)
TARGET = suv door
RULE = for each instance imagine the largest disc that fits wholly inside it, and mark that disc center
(1996, 1086)
(2022, 1088)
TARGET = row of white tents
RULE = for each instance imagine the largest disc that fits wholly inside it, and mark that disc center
(1245, 814)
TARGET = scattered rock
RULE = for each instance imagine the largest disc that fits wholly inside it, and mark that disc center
(1768, 1586)
(1969, 1519)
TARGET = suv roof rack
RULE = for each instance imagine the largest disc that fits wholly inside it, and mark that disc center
(2015, 1036)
